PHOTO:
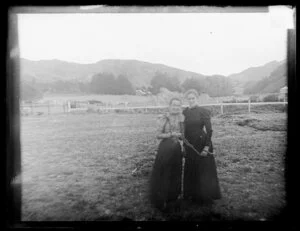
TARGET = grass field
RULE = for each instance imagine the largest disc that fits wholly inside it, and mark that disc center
(97, 167)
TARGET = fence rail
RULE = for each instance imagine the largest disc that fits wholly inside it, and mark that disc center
(66, 108)
(202, 105)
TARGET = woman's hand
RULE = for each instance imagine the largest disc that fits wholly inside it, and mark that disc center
(204, 151)
(176, 134)
(164, 135)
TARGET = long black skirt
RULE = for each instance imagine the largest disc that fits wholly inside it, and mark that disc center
(201, 183)
(165, 181)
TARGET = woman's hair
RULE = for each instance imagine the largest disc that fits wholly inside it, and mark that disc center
(191, 91)
(175, 99)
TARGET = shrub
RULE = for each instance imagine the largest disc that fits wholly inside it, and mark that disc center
(243, 101)
(270, 98)
(229, 101)
(254, 98)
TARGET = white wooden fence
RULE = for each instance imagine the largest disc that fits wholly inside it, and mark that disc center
(221, 105)
(66, 107)
(43, 108)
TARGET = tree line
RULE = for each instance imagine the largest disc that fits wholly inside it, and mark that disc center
(214, 85)
(107, 83)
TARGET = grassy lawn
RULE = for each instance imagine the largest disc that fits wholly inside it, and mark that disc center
(97, 166)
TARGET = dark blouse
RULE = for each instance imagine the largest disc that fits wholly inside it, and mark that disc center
(195, 120)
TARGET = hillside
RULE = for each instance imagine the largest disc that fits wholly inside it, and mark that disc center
(52, 70)
(270, 84)
(139, 73)
(250, 76)
(255, 73)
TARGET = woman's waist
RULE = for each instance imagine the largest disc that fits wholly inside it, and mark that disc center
(195, 133)
(195, 137)
(170, 143)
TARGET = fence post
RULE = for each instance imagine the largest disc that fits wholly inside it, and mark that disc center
(221, 107)
(31, 108)
(48, 107)
(68, 106)
(249, 105)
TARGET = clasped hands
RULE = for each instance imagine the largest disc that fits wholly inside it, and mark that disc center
(205, 150)
(176, 134)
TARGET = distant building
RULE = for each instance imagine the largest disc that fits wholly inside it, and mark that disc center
(283, 93)
(283, 90)
(140, 92)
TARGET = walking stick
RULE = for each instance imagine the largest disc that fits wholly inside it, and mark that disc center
(182, 179)
(183, 161)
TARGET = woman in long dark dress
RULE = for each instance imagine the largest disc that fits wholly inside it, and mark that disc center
(201, 182)
(165, 181)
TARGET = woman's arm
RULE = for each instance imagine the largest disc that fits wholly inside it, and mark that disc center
(162, 134)
(205, 114)
(208, 128)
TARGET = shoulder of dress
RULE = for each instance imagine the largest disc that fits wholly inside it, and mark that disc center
(167, 115)
(163, 117)
(181, 118)
(205, 112)
(184, 110)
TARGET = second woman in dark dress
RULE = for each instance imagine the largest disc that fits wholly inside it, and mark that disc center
(201, 182)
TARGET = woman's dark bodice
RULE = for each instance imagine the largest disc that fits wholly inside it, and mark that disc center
(196, 119)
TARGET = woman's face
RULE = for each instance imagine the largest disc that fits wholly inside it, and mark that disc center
(175, 107)
(192, 100)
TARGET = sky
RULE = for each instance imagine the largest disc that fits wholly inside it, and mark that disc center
(206, 43)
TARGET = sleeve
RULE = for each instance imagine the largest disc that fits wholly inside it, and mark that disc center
(182, 117)
(161, 133)
(184, 112)
(208, 127)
